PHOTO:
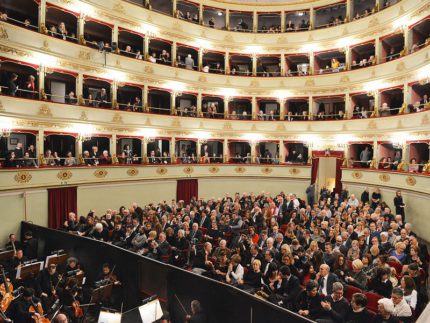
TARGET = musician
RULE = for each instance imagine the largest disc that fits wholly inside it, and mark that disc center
(72, 265)
(48, 280)
(60, 318)
(70, 297)
(13, 244)
(18, 310)
(197, 314)
(16, 262)
(3, 317)
(109, 276)
(30, 245)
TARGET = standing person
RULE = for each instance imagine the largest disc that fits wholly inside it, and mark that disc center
(365, 157)
(400, 206)
(11, 84)
(365, 198)
(310, 194)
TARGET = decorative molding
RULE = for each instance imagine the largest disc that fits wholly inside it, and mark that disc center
(64, 175)
(188, 170)
(45, 111)
(132, 171)
(344, 79)
(384, 177)
(100, 173)
(227, 126)
(176, 123)
(213, 169)
(410, 180)
(371, 125)
(310, 82)
(3, 33)
(23, 177)
(240, 169)
(267, 170)
(2, 109)
(400, 66)
(83, 116)
(161, 170)
(84, 55)
(294, 171)
(356, 175)
(117, 118)
(118, 7)
(45, 46)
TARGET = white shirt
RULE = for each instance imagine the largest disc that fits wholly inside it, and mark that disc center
(237, 274)
(402, 309)
(412, 299)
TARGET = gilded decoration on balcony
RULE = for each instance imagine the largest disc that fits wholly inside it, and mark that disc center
(411, 181)
(384, 178)
(3, 33)
(356, 175)
(213, 169)
(132, 171)
(267, 170)
(240, 169)
(23, 177)
(64, 175)
(100, 173)
(294, 171)
(188, 170)
(44, 111)
(161, 170)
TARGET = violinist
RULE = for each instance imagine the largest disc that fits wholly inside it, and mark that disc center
(48, 280)
(71, 298)
(109, 276)
(13, 244)
(197, 314)
(73, 265)
(19, 309)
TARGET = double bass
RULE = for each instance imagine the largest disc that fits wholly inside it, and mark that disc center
(6, 290)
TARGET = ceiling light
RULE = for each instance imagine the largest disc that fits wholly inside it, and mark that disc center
(219, 13)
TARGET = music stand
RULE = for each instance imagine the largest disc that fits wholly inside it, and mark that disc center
(101, 294)
(6, 255)
(55, 260)
(24, 272)
(151, 311)
(108, 317)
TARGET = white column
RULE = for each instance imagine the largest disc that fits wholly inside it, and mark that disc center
(253, 150)
(41, 84)
(378, 51)
(377, 96)
(282, 21)
(254, 64)
(112, 145)
(174, 55)
(173, 150)
(282, 109)
(283, 65)
(201, 22)
(348, 106)
(145, 98)
(255, 21)
(174, 7)
(348, 56)
(42, 17)
(40, 140)
(375, 153)
(199, 104)
(80, 88)
(281, 152)
(144, 150)
(311, 108)
(407, 95)
(227, 19)
(254, 108)
(312, 63)
(81, 27)
(199, 148)
(146, 53)
(407, 34)
(227, 63)
(349, 9)
(226, 113)
(312, 14)
(405, 156)
(115, 34)
(173, 103)
(225, 151)
(200, 59)
(114, 94)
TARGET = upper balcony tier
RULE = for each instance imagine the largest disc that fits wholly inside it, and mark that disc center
(36, 48)
(311, 23)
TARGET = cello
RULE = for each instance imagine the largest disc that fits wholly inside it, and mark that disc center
(6, 290)
(37, 308)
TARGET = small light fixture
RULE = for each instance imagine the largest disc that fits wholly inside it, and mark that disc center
(220, 13)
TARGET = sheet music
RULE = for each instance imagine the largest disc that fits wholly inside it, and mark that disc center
(48, 258)
(151, 312)
(18, 272)
(106, 317)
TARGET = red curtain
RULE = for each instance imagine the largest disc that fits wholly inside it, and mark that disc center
(314, 172)
(186, 189)
(61, 201)
(338, 185)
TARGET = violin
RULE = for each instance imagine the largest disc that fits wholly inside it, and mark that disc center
(37, 308)
(6, 290)
(76, 305)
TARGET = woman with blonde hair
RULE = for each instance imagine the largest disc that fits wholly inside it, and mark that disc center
(313, 247)
(398, 254)
(357, 277)
(354, 251)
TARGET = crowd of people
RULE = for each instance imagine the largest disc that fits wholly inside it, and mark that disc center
(338, 258)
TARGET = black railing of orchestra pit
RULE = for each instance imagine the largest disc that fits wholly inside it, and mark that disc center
(142, 277)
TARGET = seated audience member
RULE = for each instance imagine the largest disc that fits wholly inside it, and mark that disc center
(358, 311)
(385, 312)
(326, 279)
(335, 306)
(402, 310)
(202, 262)
(235, 271)
(309, 302)
(381, 284)
(357, 276)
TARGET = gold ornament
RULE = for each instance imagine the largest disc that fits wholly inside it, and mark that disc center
(132, 171)
(384, 177)
(64, 175)
(188, 170)
(162, 170)
(356, 175)
(266, 170)
(23, 177)
(240, 169)
(294, 171)
(213, 169)
(100, 173)
(411, 181)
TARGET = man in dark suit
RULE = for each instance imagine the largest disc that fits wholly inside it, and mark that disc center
(102, 99)
(335, 306)
(425, 100)
(253, 255)
(201, 262)
(270, 264)
(162, 247)
(398, 202)
(287, 288)
(204, 221)
(365, 198)
(326, 280)
(195, 235)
